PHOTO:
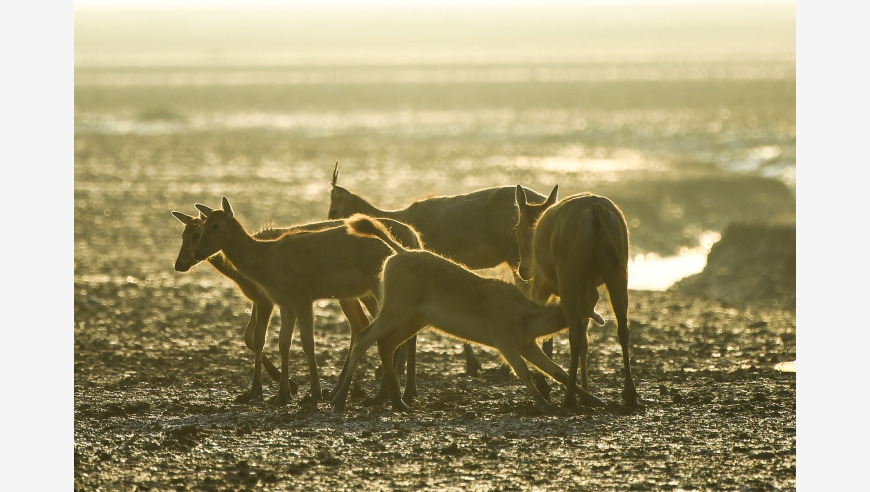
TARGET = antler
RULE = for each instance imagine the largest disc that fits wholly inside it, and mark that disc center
(335, 174)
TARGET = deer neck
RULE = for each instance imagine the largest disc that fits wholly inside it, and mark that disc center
(546, 320)
(361, 206)
(220, 263)
(243, 251)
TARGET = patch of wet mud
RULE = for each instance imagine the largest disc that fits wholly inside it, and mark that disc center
(155, 404)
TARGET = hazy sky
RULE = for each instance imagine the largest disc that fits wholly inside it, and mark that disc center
(389, 3)
(440, 33)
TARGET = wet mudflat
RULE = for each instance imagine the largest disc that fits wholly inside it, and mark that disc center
(159, 365)
(687, 149)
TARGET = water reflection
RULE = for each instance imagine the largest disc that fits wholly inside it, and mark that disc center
(653, 272)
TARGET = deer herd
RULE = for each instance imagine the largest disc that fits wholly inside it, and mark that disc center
(412, 268)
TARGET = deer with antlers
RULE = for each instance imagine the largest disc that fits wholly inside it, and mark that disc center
(475, 229)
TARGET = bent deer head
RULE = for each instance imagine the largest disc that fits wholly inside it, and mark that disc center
(529, 213)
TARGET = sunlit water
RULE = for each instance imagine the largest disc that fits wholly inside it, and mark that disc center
(660, 273)
(654, 272)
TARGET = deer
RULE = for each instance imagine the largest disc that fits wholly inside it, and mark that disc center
(568, 249)
(475, 229)
(292, 271)
(256, 329)
(421, 288)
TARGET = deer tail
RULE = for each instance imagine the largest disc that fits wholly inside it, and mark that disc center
(363, 225)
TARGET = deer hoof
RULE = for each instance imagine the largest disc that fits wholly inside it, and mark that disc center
(597, 318)
(630, 398)
(282, 400)
(401, 406)
(373, 401)
(472, 367)
(325, 394)
(247, 399)
(545, 407)
(335, 401)
(504, 371)
(408, 397)
(309, 400)
(540, 382)
(570, 400)
(589, 400)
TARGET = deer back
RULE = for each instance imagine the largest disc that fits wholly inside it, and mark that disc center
(580, 236)
(405, 234)
(475, 229)
(456, 300)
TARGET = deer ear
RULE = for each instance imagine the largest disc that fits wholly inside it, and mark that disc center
(225, 204)
(554, 195)
(182, 217)
(205, 211)
(521, 196)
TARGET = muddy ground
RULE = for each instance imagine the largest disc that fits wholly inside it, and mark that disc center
(159, 359)
(159, 365)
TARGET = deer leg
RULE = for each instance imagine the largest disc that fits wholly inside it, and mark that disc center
(251, 327)
(411, 370)
(540, 380)
(355, 316)
(261, 316)
(579, 347)
(472, 365)
(387, 346)
(357, 320)
(254, 394)
(371, 303)
(305, 314)
(589, 295)
(617, 287)
(366, 339)
(399, 359)
(540, 291)
(256, 321)
(578, 341)
(536, 356)
(387, 349)
(285, 338)
(264, 315)
(403, 356)
(513, 357)
(256, 338)
(547, 345)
